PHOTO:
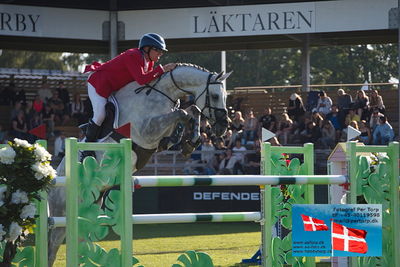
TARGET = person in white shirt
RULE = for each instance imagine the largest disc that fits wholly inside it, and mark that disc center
(324, 103)
(238, 150)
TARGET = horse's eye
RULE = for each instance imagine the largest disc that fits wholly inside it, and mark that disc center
(214, 96)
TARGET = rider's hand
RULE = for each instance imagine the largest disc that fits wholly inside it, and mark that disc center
(169, 67)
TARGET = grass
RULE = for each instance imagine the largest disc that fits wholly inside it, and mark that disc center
(159, 245)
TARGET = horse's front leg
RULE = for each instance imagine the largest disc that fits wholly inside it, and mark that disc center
(189, 145)
(154, 129)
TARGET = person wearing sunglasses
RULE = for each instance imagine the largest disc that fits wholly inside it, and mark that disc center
(136, 64)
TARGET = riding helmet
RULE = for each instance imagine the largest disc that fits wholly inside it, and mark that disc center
(152, 40)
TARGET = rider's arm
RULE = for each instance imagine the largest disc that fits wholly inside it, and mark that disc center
(135, 65)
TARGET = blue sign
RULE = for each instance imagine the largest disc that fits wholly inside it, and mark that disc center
(337, 230)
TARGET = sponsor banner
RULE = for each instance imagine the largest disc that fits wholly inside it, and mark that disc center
(197, 199)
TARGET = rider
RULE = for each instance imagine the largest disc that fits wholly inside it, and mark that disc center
(135, 64)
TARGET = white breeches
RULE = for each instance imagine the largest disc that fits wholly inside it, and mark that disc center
(98, 103)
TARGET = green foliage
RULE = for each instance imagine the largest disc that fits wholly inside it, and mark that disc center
(194, 259)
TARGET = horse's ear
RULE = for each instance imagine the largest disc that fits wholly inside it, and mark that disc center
(222, 77)
(219, 75)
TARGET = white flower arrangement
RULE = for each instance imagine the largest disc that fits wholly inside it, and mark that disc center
(19, 197)
(28, 211)
(7, 155)
(25, 171)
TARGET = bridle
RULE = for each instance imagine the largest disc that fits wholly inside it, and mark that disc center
(206, 91)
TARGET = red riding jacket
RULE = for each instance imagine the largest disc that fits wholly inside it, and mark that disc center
(121, 70)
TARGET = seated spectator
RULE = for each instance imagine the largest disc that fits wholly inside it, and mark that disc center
(205, 127)
(353, 124)
(19, 127)
(48, 119)
(207, 150)
(311, 134)
(374, 119)
(16, 109)
(38, 104)
(249, 128)
(334, 118)
(238, 150)
(324, 103)
(317, 118)
(328, 135)
(268, 120)
(58, 108)
(365, 136)
(383, 133)
(376, 102)
(237, 125)
(352, 116)
(284, 128)
(230, 164)
(77, 109)
(253, 160)
(227, 139)
(3, 135)
(296, 107)
(44, 92)
(35, 121)
(361, 104)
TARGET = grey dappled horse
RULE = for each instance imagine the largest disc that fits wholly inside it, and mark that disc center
(153, 115)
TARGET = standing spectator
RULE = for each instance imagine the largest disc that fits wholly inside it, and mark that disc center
(48, 119)
(352, 116)
(64, 96)
(7, 96)
(29, 112)
(87, 109)
(59, 144)
(237, 125)
(365, 136)
(324, 103)
(328, 135)
(383, 133)
(268, 120)
(249, 128)
(374, 119)
(361, 103)
(376, 102)
(20, 96)
(284, 128)
(44, 92)
(38, 104)
(344, 102)
(296, 108)
(77, 109)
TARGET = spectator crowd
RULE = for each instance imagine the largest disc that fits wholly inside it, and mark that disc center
(325, 124)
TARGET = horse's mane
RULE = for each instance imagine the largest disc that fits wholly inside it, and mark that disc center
(192, 65)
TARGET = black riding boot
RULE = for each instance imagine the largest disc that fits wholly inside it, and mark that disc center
(92, 132)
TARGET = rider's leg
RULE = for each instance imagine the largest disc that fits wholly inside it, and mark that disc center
(99, 114)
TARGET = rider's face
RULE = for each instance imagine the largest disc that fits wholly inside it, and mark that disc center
(155, 54)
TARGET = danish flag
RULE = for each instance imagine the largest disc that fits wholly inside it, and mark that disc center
(348, 239)
(312, 224)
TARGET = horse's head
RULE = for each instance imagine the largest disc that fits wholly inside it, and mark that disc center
(208, 91)
(212, 101)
